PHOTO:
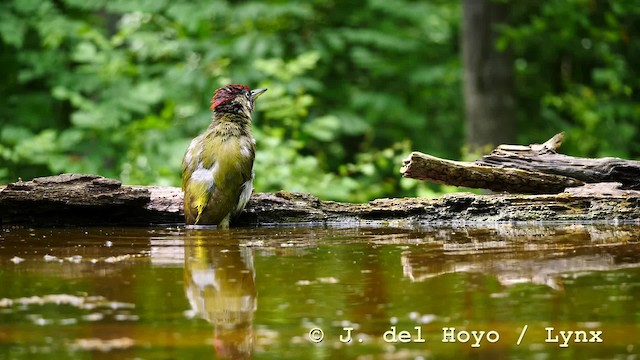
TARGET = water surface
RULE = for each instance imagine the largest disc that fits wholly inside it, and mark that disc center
(176, 293)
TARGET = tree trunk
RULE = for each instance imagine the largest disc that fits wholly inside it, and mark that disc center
(488, 76)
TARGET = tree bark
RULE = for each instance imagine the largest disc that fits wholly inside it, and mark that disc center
(488, 76)
(602, 170)
(533, 169)
(90, 200)
(430, 168)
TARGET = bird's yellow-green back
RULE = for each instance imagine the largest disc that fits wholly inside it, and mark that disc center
(217, 169)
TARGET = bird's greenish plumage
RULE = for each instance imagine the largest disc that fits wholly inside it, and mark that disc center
(217, 168)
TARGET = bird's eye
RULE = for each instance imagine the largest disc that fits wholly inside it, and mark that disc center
(248, 95)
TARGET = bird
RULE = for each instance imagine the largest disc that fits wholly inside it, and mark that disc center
(217, 167)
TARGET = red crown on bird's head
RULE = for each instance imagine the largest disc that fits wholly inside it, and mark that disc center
(227, 93)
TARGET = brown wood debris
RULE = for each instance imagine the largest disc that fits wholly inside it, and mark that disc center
(529, 169)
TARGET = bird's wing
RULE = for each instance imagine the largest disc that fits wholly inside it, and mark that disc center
(190, 160)
(245, 194)
(247, 174)
(197, 182)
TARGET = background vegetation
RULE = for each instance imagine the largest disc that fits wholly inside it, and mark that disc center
(120, 87)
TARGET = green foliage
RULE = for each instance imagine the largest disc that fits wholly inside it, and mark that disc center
(576, 73)
(118, 88)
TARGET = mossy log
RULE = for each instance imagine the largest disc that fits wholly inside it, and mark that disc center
(532, 169)
(89, 200)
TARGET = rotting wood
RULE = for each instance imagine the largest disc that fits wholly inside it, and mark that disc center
(430, 168)
(88, 200)
(76, 199)
(533, 169)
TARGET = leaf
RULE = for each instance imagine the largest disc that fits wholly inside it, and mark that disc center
(12, 29)
(325, 128)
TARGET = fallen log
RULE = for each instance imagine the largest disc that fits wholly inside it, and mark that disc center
(532, 169)
(89, 200)
(77, 199)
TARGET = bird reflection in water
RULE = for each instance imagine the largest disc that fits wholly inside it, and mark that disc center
(220, 285)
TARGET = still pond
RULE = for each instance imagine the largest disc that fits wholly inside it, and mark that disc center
(505, 291)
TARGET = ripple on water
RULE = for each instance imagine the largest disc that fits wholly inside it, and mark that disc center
(101, 344)
(92, 308)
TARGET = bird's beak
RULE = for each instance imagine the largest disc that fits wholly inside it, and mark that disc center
(257, 92)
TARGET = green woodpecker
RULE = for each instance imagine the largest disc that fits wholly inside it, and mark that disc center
(217, 168)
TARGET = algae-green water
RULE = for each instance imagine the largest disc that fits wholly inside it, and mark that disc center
(504, 291)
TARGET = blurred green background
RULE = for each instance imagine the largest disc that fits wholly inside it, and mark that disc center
(119, 87)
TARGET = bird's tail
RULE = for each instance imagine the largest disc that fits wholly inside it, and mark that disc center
(199, 210)
(195, 204)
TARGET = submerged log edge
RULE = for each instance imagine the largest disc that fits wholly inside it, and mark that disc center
(90, 200)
